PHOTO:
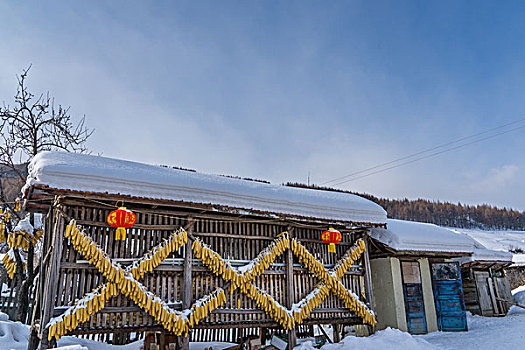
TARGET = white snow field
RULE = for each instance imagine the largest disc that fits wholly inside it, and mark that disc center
(501, 240)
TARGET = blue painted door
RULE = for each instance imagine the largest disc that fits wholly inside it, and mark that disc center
(413, 293)
(448, 296)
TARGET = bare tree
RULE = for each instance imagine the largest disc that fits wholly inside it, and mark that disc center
(31, 125)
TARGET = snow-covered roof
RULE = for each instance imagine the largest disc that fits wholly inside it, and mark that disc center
(484, 254)
(494, 245)
(87, 173)
(518, 260)
(416, 236)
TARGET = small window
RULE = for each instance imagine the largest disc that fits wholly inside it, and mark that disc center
(445, 271)
(411, 272)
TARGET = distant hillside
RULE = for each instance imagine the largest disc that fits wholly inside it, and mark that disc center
(442, 213)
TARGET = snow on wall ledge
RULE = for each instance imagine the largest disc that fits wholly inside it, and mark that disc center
(416, 236)
(80, 172)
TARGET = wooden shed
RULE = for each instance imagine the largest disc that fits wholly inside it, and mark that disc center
(210, 258)
(416, 283)
(485, 283)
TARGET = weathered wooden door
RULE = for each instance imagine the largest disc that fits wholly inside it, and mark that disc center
(413, 292)
(484, 293)
(502, 286)
(448, 296)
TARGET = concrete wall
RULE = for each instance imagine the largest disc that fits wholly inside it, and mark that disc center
(388, 293)
(428, 295)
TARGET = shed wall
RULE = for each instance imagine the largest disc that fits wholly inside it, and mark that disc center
(388, 293)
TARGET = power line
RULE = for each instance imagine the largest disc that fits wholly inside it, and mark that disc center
(423, 152)
(429, 156)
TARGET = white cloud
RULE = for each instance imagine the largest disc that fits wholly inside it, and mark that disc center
(495, 179)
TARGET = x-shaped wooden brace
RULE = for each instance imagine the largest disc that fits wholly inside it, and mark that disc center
(330, 279)
(125, 281)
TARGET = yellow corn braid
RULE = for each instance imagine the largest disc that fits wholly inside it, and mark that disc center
(304, 308)
(331, 278)
(265, 258)
(124, 281)
(271, 306)
(21, 239)
(257, 266)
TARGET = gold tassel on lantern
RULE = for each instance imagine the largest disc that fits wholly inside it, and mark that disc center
(120, 234)
(331, 248)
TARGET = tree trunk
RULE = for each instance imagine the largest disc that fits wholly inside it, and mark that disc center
(25, 288)
(32, 344)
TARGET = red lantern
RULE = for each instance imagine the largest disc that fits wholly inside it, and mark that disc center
(122, 219)
(331, 237)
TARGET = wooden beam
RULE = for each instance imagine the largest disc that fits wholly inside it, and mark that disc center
(171, 265)
(290, 292)
(264, 323)
(187, 291)
(320, 326)
(368, 279)
(51, 279)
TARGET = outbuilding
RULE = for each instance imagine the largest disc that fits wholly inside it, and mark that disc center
(416, 281)
(485, 283)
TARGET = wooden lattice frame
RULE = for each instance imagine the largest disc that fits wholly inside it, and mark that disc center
(181, 322)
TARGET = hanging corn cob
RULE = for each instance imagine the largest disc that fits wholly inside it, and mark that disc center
(9, 263)
(305, 306)
(24, 234)
(81, 311)
(158, 254)
(271, 306)
(3, 220)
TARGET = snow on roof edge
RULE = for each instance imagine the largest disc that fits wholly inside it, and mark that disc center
(423, 237)
(86, 173)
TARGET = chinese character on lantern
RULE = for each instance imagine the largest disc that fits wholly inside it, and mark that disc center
(331, 237)
(122, 219)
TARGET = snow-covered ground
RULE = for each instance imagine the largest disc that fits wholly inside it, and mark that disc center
(388, 339)
(14, 336)
(485, 333)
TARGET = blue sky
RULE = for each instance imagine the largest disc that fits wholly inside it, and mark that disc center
(277, 90)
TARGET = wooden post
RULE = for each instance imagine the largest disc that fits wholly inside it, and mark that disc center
(292, 336)
(262, 335)
(336, 335)
(187, 291)
(51, 276)
(34, 335)
(368, 280)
